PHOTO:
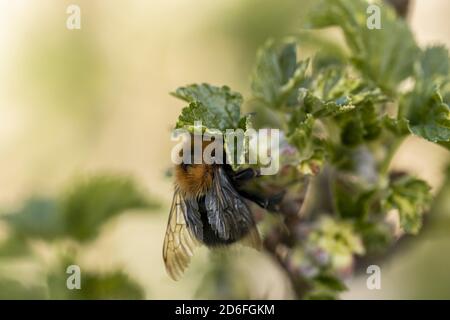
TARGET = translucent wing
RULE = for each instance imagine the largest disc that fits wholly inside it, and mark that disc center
(179, 242)
(228, 214)
(252, 239)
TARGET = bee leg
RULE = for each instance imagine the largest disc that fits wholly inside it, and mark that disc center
(246, 174)
(271, 203)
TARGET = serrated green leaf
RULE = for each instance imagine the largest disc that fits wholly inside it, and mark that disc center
(196, 111)
(321, 109)
(311, 149)
(217, 107)
(302, 138)
(277, 74)
(426, 109)
(363, 124)
(431, 120)
(399, 127)
(411, 197)
(337, 83)
(333, 91)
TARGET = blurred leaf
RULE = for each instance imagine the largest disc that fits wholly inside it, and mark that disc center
(14, 246)
(321, 109)
(14, 290)
(80, 213)
(411, 197)
(301, 137)
(217, 107)
(426, 109)
(384, 55)
(376, 235)
(326, 287)
(399, 127)
(331, 282)
(434, 62)
(430, 118)
(312, 150)
(364, 124)
(92, 202)
(222, 279)
(277, 74)
(39, 218)
(337, 83)
(95, 286)
(352, 201)
(352, 132)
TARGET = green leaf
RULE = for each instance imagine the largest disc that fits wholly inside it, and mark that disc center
(216, 107)
(321, 109)
(335, 93)
(312, 150)
(376, 235)
(39, 218)
(277, 74)
(15, 290)
(359, 126)
(399, 127)
(331, 282)
(14, 246)
(301, 137)
(434, 62)
(386, 55)
(411, 197)
(352, 132)
(246, 122)
(351, 201)
(431, 120)
(92, 202)
(95, 286)
(196, 111)
(338, 84)
(426, 109)
(371, 122)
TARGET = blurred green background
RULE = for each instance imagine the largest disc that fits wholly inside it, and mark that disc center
(84, 111)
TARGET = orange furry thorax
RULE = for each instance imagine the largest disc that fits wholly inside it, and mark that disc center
(194, 180)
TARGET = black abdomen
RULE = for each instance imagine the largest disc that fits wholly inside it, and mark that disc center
(210, 237)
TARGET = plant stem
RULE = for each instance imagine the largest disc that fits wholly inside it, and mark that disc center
(392, 149)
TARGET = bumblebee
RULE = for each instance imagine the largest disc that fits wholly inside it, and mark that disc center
(209, 208)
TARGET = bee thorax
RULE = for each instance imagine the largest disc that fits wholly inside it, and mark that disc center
(194, 180)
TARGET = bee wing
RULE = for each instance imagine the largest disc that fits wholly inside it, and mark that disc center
(179, 242)
(227, 212)
(252, 239)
